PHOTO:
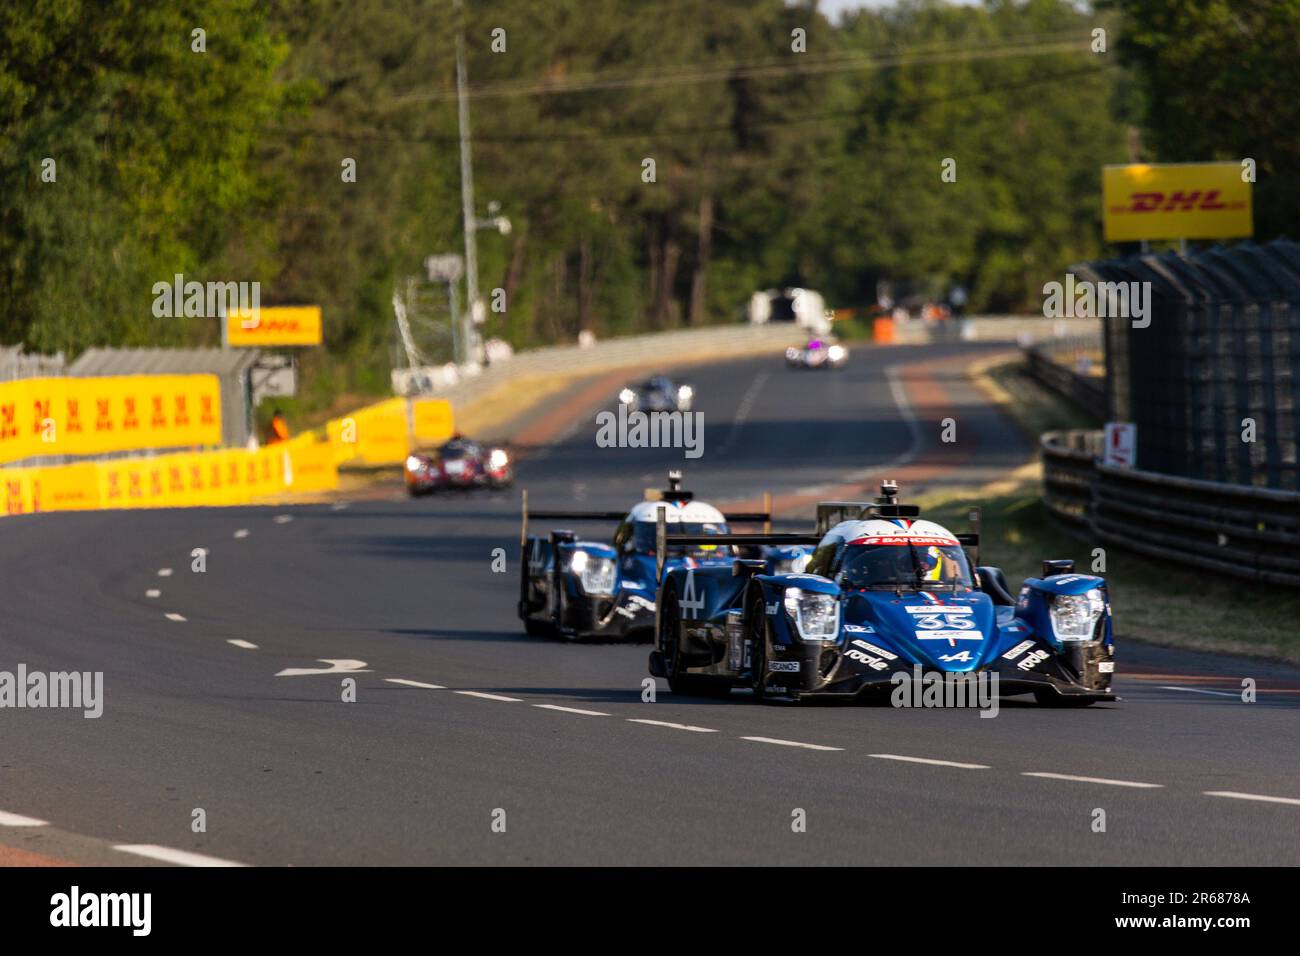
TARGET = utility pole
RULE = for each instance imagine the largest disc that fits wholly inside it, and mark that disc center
(469, 337)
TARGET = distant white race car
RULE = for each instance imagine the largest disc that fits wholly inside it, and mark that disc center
(818, 353)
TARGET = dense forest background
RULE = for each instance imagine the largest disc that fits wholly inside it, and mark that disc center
(773, 167)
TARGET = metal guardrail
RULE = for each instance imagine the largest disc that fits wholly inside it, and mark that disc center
(1085, 392)
(1238, 530)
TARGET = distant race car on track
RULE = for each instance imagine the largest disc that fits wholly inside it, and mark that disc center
(578, 587)
(885, 592)
(460, 463)
(817, 353)
(658, 394)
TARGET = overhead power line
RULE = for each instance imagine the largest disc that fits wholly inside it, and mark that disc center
(796, 64)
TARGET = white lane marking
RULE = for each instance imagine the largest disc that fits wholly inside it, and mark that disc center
(283, 519)
(153, 593)
(1105, 780)
(172, 616)
(338, 506)
(168, 855)
(241, 533)
(664, 723)
(572, 710)
(1232, 794)
(413, 683)
(246, 645)
(789, 743)
(1196, 690)
(742, 413)
(343, 666)
(930, 760)
(164, 572)
(479, 693)
(18, 820)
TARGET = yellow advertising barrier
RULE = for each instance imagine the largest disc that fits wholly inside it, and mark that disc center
(91, 416)
(184, 479)
(1175, 201)
(385, 433)
(275, 325)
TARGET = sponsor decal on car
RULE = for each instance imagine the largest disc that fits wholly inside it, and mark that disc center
(774, 608)
(902, 539)
(1033, 659)
(791, 667)
(860, 628)
(872, 649)
(1106, 667)
(875, 663)
(1016, 651)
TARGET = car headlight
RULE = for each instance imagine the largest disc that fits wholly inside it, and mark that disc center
(816, 616)
(836, 352)
(685, 392)
(414, 464)
(596, 574)
(1074, 616)
(498, 459)
(627, 396)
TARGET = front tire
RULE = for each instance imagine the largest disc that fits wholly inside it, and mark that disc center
(756, 634)
(688, 685)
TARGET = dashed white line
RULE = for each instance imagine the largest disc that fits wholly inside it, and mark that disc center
(789, 743)
(241, 533)
(173, 616)
(932, 761)
(283, 519)
(338, 506)
(1105, 780)
(153, 593)
(665, 723)
(572, 710)
(413, 683)
(168, 855)
(479, 693)
(246, 645)
(18, 820)
(164, 572)
(1234, 795)
(1197, 690)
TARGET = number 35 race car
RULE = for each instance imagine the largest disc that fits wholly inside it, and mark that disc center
(578, 587)
(885, 593)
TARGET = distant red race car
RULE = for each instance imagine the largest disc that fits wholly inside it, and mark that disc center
(460, 463)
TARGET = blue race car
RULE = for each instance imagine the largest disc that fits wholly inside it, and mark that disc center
(885, 593)
(578, 587)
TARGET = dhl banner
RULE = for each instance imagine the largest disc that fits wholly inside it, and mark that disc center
(385, 433)
(184, 479)
(275, 325)
(90, 416)
(1175, 201)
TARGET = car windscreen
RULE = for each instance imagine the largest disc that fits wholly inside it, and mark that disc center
(643, 539)
(905, 563)
(458, 450)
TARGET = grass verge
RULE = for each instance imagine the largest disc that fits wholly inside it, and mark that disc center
(1153, 600)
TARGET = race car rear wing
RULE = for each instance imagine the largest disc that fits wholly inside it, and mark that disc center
(737, 517)
(663, 539)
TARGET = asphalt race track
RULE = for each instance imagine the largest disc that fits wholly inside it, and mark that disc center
(458, 714)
